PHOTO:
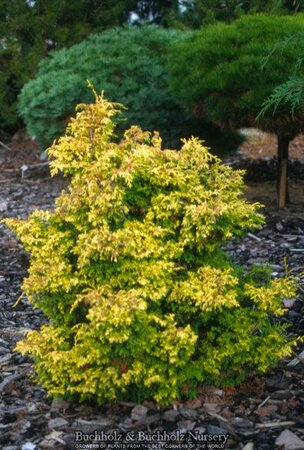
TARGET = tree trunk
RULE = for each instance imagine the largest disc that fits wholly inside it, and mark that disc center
(282, 184)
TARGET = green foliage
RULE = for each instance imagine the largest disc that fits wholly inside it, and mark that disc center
(129, 269)
(30, 29)
(161, 12)
(204, 12)
(129, 64)
(224, 74)
(289, 94)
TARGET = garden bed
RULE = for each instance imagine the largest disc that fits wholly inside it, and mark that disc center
(263, 413)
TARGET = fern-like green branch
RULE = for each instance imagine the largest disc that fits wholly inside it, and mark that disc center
(290, 94)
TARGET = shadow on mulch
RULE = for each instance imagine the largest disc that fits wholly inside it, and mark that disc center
(265, 193)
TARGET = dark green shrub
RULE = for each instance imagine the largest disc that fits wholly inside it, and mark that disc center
(129, 64)
(221, 72)
(129, 268)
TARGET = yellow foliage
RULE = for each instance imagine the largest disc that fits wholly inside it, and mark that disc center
(129, 269)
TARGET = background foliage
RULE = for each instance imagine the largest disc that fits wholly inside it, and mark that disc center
(30, 29)
(131, 65)
(227, 72)
(204, 12)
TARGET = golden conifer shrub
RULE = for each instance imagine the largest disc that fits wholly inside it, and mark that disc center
(142, 302)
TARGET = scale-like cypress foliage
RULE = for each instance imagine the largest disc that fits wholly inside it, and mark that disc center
(128, 267)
